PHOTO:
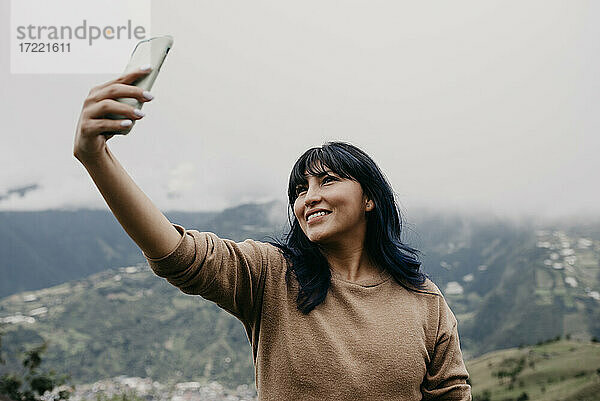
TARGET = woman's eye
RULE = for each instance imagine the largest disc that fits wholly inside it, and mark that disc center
(328, 178)
(300, 190)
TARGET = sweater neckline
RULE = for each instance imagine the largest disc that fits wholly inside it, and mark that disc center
(372, 281)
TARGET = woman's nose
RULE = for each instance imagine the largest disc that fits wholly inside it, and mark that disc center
(312, 195)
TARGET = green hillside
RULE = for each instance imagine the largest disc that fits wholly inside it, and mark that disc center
(128, 321)
(556, 370)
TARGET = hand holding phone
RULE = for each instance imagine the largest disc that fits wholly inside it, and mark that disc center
(150, 53)
(112, 108)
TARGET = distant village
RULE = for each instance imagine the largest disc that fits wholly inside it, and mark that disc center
(154, 391)
(52, 297)
(561, 255)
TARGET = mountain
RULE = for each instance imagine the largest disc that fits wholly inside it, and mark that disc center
(508, 284)
(21, 191)
(512, 285)
(41, 249)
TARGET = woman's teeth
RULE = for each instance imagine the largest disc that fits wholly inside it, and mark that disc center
(316, 215)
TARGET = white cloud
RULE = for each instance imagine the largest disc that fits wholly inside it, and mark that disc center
(478, 106)
(181, 179)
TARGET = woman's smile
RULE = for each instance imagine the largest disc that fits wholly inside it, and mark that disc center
(316, 217)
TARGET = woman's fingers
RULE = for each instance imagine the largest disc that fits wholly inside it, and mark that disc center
(100, 109)
(118, 90)
(93, 126)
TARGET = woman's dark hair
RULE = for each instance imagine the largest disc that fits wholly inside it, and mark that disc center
(384, 225)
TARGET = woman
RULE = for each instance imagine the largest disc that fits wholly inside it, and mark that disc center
(339, 311)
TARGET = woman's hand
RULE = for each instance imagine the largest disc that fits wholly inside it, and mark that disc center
(89, 138)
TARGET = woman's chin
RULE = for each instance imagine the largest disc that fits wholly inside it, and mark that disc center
(320, 238)
(316, 237)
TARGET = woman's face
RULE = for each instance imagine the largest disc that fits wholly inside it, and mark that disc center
(342, 206)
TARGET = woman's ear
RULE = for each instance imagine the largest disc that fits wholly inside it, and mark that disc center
(370, 205)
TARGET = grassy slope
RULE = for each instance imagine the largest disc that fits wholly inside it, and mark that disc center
(563, 370)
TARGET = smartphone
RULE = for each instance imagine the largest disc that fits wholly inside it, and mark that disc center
(151, 51)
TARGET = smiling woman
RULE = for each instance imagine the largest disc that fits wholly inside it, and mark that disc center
(337, 310)
(360, 233)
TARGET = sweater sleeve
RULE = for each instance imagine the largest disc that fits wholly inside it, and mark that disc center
(446, 377)
(229, 273)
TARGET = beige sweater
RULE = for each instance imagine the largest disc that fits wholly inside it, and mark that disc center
(371, 340)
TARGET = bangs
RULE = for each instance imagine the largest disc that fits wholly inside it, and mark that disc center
(315, 162)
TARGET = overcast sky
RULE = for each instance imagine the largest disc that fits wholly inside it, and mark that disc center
(471, 105)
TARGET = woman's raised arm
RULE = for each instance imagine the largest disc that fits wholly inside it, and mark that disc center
(140, 218)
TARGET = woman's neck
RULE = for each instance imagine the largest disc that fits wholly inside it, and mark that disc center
(351, 263)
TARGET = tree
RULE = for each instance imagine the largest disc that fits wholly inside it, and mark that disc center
(31, 383)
